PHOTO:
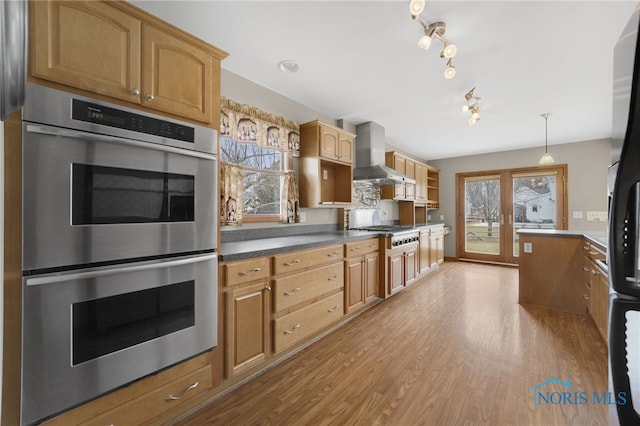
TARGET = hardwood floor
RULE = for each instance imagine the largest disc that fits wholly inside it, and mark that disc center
(454, 348)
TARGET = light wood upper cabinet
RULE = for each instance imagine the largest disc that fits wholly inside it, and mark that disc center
(177, 75)
(114, 49)
(88, 45)
(326, 155)
(334, 144)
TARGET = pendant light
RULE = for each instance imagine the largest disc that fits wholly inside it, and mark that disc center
(546, 157)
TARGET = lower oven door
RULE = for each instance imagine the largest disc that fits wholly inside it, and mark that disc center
(92, 198)
(88, 332)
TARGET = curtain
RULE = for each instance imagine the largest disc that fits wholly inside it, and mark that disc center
(289, 208)
(231, 188)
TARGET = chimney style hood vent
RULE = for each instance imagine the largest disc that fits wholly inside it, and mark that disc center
(370, 151)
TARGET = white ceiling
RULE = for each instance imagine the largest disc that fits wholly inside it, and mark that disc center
(359, 61)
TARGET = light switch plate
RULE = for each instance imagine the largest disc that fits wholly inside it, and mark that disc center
(577, 214)
(597, 216)
(528, 247)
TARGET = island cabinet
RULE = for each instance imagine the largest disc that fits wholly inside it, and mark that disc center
(143, 401)
(550, 271)
(309, 294)
(326, 156)
(596, 286)
(117, 51)
(362, 280)
(247, 313)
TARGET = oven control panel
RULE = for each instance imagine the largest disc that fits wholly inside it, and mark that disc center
(400, 239)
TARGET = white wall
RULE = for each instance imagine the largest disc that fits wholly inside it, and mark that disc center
(587, 181)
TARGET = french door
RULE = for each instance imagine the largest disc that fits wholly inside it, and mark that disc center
(493, 205)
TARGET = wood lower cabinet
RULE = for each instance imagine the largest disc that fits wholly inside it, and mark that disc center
(362, 280)
(144, 400)
(302, 323)
(596, 287)
(116, 50)
(424, 251)
(247, 294)
(402, 267)
(247, 326)
(436, 246)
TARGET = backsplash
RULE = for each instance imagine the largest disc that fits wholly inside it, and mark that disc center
(365, 194)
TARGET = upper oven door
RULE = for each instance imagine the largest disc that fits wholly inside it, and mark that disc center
(92, 198)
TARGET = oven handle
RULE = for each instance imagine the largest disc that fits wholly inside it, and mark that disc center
(51, 279)
(57, 131)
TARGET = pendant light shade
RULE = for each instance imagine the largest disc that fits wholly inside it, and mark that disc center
(546, 157)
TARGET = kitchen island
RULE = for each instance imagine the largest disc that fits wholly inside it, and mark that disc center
(566, 271)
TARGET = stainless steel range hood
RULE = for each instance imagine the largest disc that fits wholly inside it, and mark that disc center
(370, 149)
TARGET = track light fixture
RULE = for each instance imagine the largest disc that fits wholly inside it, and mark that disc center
(472, 106)
(437, 30)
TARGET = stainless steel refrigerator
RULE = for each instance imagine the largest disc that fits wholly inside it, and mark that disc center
(624, 228)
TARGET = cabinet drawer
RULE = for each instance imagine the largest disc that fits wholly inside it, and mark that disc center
(298, 261)
(298, 288)
(246, 270)
(298, 325)
(157, 401)
(361, 247)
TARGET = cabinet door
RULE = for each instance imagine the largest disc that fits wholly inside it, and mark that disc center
(399, 164)
(87, 45)
(440, 249)
(396, 273)
(371, 276)
(177, 76)
(329, 143)
(410, 172)
(247, 318)
(410, 266)
(602, 290)
(421, 183)
(424, 260)
(354, 285)
(345, 145)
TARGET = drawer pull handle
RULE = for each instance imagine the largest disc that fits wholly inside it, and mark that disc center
(586, 268)
(334, 254)
(335, 277)
(135, 91)
(267, 287)
(586, 247)
(244, 274)
(291, 293)
(149, 96)
(333, 309)
(585, 296)
(292, 330)
(373, 245)
(595, 272)
(294, 262)
(175, 398)
(593, 253)
(355, 248)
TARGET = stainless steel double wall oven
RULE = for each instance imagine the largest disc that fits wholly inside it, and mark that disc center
(119, 247)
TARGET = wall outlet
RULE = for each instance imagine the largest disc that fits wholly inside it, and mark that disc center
(325, 174)
(441, 217)
(577, 214)
(302, 216)
(528, 247)
(429, 218)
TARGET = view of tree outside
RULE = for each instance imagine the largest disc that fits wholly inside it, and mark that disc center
(482, 213)
(262, 169)
(534, 206)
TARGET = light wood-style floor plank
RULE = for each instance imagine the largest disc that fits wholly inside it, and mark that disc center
(455, 348)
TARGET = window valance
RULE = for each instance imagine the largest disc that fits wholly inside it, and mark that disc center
(245, 123)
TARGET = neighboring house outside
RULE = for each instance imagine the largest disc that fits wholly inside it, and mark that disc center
(534, 207)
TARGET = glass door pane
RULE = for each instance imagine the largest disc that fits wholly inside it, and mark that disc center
(534, 203)
(482, 215)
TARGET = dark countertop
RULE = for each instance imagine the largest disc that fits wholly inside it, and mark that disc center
(596, 237)
(238, 250)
